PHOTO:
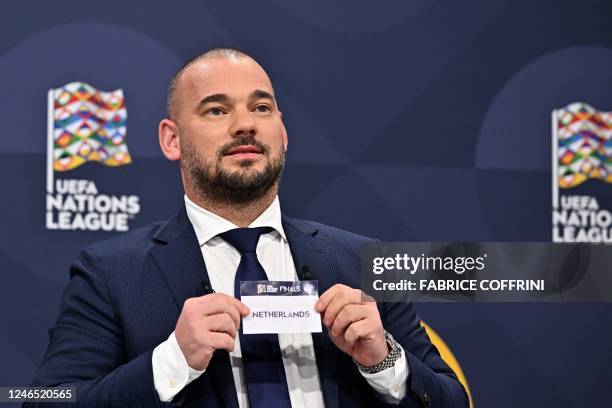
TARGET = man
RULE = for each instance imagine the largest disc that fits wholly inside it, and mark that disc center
(152, 317)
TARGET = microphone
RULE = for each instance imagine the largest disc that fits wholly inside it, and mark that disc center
(206, 287)
(306, 272)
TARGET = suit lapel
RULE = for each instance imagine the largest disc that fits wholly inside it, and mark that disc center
(308, 249)
(180, 260)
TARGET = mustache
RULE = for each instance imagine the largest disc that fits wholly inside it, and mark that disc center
(243, 141)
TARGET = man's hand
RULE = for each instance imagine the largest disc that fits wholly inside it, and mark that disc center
(354, 326)
(208, 323)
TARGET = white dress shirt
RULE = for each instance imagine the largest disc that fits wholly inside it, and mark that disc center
(170, 370)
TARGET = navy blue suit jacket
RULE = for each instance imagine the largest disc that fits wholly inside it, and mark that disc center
(125, 296)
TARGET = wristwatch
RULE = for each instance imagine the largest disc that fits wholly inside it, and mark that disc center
(389, 361)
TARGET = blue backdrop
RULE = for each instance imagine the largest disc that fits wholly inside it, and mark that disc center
(408, 120)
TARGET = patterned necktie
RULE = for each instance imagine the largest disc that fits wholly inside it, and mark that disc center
(264, 371)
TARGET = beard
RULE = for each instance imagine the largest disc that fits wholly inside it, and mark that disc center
(212, 181)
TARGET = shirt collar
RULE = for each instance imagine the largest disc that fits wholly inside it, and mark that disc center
(208, 225)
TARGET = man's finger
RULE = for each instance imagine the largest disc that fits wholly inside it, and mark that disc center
(357, 330)
(349, 314)
(327, 296)
(220, 303)
(242, 308)
(341, 299)
(221, 341)
(222, 323)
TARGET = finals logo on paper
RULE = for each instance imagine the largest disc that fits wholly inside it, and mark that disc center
(85, 125)
(582, 174)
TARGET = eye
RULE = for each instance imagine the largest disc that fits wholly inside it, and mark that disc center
(214, 111)
(263, 108)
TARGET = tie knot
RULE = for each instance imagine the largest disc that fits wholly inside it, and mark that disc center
(244, 239)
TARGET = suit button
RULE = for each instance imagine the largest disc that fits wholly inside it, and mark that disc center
(426, 399)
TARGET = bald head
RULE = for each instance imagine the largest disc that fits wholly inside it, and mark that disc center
(229, 54)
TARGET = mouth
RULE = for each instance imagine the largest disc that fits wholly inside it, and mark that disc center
(244, 152)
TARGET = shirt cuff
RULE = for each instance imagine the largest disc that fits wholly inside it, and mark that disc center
(390, 384)
(170, 370)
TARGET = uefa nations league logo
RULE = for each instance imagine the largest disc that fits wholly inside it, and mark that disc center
(86, 125)
(582, 174)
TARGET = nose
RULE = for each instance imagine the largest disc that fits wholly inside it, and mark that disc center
(243, 124)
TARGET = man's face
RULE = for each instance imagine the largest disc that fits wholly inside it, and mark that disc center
(231, 135)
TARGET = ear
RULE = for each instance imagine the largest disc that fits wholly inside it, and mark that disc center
(285, 139)
(169, 139)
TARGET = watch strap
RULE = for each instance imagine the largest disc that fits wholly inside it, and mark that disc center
(394, 354)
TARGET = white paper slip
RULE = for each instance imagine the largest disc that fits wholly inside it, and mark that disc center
(280, 306)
